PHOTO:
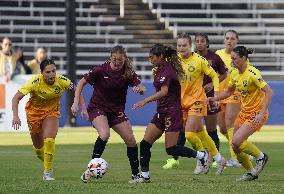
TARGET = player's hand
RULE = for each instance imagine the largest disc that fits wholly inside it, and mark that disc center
(139, 104)
(16, 122)
(75, 108)
(257, 119)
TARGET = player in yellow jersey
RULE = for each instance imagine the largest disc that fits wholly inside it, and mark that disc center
(193, 100)
(230, 107)
(43, 111)
(256, 96)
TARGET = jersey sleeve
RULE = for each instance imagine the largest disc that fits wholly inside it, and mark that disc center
(65, 82)
(92, 76)
(208, 70)
(134, 81)
(232, 82)
(30, 85)
(257, 78)
(221, 66)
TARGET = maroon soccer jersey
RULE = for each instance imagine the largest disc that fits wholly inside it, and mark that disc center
(216, 63)
(110, 89)
(166, 75)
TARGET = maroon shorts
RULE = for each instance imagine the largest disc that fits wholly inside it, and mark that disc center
(113, 118)
(215, 110)
(168, 122)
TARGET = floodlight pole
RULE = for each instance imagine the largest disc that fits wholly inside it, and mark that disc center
(70, 55)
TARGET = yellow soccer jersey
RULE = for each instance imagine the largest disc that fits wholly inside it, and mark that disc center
(195, 66)
(249, 84)
(34, 65)
(44, 95)
(7, 63)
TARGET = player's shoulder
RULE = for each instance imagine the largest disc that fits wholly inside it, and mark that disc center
(199, 57)
(253, 71)
(36, 79)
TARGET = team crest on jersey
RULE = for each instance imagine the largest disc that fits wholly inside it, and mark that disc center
(191, 68)
(162, 79)
(56, 90)
(245, 83)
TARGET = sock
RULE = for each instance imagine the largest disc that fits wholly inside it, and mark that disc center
(244, 160)
(249, 148)
(49, 153)
(260, 157)
(214, 136)
(181, 151)
(181, 141)
(145, 155)
(132, 153)
(39, 152)
(207, 142)
(145, 174)
(230, 137)
(194, 140)
(99, 148)
(217, 157)
(200, 155)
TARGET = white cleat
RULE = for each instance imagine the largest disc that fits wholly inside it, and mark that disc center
(260, 165)
(47, 176)
(86, 176)
(221, 166)
(248, 176)
(234, 163)
(206, 162)
(199, 168)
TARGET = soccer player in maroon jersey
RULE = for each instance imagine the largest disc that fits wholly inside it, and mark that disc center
(201, 46)
(106, 107)
(168, 119)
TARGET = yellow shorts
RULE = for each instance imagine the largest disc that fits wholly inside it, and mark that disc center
(235, 98)
(197, 108)
(35, 117)
(245, 118)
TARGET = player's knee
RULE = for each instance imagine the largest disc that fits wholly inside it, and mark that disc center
(105, 136)
(171, 150)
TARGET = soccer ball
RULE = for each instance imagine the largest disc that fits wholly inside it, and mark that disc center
(98, 167)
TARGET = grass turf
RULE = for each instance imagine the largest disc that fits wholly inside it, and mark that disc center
(21, 171)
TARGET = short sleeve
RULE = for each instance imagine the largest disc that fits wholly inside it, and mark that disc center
(257, 78)
(92, 75)
(66, 83)
(135, 81)
(232, 82)
(30, 85)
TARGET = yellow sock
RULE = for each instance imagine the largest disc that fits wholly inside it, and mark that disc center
(39, 152)
(230, 136)
(49, 152)
(249, 148)
(244, 160)
(226, 135)
(194, 140)
(207, 142)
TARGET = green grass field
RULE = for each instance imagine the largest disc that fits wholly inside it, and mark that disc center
(21, 171)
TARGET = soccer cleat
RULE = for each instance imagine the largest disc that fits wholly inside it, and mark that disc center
(135, 179)
(206, 161)
(221, 166)
(248, 176)
(234, 163)
(260, 165)
(214, 164)
(199, 168)
(47, 176)
(86, 176)
(171, 163)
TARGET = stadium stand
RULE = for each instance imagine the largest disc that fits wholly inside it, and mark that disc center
(259, 22)
(34, 23)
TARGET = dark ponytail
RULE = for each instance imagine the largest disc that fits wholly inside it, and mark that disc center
(242, 51)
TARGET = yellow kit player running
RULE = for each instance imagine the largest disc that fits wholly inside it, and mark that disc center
(43, 111)
(256, 96)
(230, 107)
(193, 99)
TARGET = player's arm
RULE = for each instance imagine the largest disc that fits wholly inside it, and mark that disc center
(16, 122)
(267, 100)
(139, 89)
(163, 92)
(78, 98)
